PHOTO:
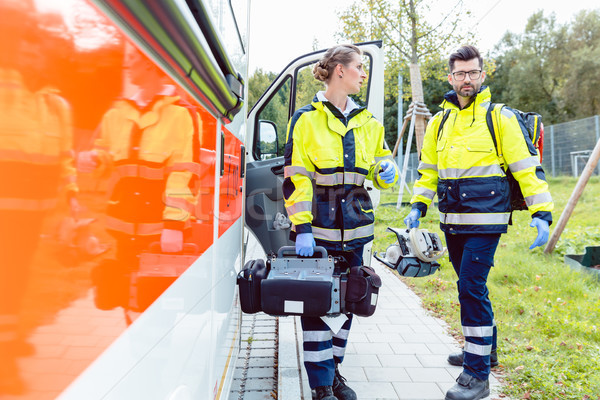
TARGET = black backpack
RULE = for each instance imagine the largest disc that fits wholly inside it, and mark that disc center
(533, 132)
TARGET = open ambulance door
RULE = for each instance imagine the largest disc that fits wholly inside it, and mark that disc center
(294, 88)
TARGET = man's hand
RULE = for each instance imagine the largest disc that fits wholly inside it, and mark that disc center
(87, 161)
(543, 231)
(412, 219)
(171, 241)
(305, 243)
(387, 172)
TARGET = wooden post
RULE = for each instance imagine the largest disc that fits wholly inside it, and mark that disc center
(399, 138)
(416, 86)
(566, 214)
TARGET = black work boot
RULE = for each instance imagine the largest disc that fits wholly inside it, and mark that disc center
(340, 389)
(458, 358)
(324, 393)
(468, 388)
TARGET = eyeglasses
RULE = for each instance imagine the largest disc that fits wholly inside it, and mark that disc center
(460, 75)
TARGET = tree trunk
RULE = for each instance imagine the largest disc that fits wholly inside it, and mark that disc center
(416, 86)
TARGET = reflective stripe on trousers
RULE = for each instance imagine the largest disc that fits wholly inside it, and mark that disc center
(472, 256)
(323, 349)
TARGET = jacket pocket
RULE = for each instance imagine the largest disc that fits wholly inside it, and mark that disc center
(482, 195)
(324, 158)
(479, 149)
(480, 146)
(446, 192)
(485, 257)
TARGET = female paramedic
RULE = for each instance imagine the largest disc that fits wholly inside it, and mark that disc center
(335, 145)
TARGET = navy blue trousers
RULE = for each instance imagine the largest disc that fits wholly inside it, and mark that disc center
(472, 256)
(323, 349)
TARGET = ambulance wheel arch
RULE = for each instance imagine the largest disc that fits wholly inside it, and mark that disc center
(265, 213)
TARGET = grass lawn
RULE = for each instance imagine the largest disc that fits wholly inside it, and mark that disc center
(548, 316)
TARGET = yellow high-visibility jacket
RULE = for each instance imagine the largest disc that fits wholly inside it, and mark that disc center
(36, 154)
(335, 154)
(460, 164)
(149, 154)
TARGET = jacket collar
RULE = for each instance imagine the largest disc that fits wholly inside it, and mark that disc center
(451, 98)
(350, 104)
(336, 121)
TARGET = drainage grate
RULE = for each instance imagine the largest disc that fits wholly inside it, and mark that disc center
(255, 377)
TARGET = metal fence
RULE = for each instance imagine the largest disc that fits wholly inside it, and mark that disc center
(567, 148)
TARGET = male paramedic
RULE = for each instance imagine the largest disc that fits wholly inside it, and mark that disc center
(461, 165)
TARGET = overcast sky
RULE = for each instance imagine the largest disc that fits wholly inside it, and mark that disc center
(281, 30)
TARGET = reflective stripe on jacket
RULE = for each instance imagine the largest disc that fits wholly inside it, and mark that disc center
(327, 159)
(461, 166)
(149, 154)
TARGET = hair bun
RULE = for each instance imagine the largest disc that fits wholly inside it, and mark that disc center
(320, 73)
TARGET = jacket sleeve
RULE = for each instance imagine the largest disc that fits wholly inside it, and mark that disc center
(425, 187)
(524, 163)
(69, 172)
(182, 167)
(381, 154)
(102, 145)
(298, 175)
(67, 160)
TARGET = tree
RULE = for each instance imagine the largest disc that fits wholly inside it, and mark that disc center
(411, 39)
(530, 72)
(258, 82)
(551, 68)
(581, 91)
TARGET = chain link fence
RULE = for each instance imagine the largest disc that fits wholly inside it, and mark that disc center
(567, 149)
(568, 146)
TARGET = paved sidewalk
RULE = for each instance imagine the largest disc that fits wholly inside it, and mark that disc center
(398, 353)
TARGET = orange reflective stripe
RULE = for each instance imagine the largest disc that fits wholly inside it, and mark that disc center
(180, 204)
(131, 228)
(18, 155)
(140, 171)
(27, 204)
(185, 167)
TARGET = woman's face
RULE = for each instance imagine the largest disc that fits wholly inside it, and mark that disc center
(353, 74)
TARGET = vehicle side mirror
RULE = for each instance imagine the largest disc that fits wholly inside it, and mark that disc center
(268, 143)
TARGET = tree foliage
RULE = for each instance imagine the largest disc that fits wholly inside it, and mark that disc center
(413, 33)
(551, 68)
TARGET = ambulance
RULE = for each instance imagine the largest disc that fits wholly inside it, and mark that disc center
(133, 176)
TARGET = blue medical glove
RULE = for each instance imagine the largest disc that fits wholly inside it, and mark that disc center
(305, 243)
(412, 219)
(543, 232)
(388, 171)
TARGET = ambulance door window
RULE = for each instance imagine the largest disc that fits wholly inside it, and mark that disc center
(273, 119)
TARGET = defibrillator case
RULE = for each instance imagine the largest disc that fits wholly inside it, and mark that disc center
(362, 291)
(302, 286)
(249, 281)
(156, 272)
